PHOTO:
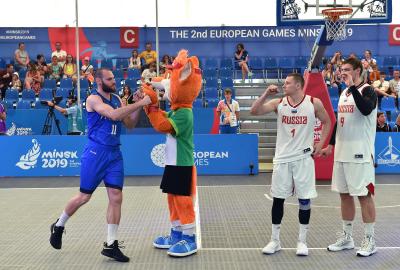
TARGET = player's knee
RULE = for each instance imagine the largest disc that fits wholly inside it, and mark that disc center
(304, 204)
(83, 198)
(115, 196)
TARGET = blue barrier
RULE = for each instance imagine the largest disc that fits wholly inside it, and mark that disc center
(143, 154)
(30, 122)
(387, 153)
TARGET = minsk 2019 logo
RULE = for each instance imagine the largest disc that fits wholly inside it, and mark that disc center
(157, 155)
(390, 155)
(29, 160)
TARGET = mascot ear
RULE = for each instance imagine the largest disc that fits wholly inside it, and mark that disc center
(186, 71)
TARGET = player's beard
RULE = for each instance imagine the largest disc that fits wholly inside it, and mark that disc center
(108, 89)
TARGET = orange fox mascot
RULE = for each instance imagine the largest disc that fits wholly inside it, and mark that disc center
(179, 179)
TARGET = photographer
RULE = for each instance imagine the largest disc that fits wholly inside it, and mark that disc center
(72, 113)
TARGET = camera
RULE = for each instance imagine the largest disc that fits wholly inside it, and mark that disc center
(55, 101)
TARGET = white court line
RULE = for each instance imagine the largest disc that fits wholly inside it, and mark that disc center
(331, 206)
(197, 215)
(321, 248)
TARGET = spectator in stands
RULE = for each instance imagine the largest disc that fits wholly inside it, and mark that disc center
(87, 70)
(381, 125)
(149, 73)
(394, 84)
(138, 95)
(242, 59)
(126, 96)
(328, 75)
(16, 82)
(74, 127)
(61, 55)
(134, 60)
(396, 127)
(353, 55)
(3, 117)
(369, 59)
(21, 57)
(55, 69)
(337, 59)
(5, 79)
(69, 68)
(149, 56)
(165, 61)
(33, 80)
(228, 113)
(374, 73)
(382, 87)
(41, 66)
(364, 77)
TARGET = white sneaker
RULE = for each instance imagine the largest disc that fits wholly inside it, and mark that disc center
(368, 247)
(272, 247)
(250, 74)
(345, 241)
(302, 249)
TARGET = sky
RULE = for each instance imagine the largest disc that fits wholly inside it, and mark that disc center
(115, 13)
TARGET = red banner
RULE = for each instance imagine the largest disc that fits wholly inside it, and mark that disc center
(394, 35)
(129, 37)
(315, 86)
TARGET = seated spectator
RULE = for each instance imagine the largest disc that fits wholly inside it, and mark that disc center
(87, 70)
(134, 60)
(364, 77)
(353, 55)
(242, 59)
(69, 69)
(396, 127)
(41, 66)
(165, 61)
(228, 113)
(33, 80)
(138, 95)
(55, 69)
(381, 125)
(16, 82)
(5, 79)
(382, 87)
(126, 96)
(328, 74)
(337, 59)
(394, 84)
(21, 57)
(368, 57)
(61, 55)
(148, 55)
(374, 75)
(149, 73)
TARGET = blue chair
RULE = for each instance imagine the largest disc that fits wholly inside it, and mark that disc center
(132, 83)
(209, 73)
(63, 92)
(107, 63)
(24, 105)
(226, 63)
(334, 102)
(300, 62)
(211, 93)
(39, 105)
(122, 63)
(226, 83)
(211, 63)
(46, 94)
(389, 61)
(388, 104)
(212, 103)
(256, 63)
(211, 82)
(225, 73)
(393, 115)
(28, 94)
(333, 92)
(12, 95)
(9, 104)
(134, 74)
(48, 83)
(271, 67)
(66, 83)
(118, 73)
(84, 83)
(198, 103)
(2, 63)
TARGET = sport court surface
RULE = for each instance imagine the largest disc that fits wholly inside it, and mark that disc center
(234, 224)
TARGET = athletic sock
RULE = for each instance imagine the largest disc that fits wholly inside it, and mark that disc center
(276, 228)
(112, 233)
(176, 225)
(62, 220)
(303, 229)
(189, 229)
(369, 229)
(348, 227)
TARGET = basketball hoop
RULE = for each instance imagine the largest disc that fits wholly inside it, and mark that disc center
(336, 21)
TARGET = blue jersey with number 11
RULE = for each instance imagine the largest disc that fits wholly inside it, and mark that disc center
(102, 130)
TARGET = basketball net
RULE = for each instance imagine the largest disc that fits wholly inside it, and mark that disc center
(336, 20)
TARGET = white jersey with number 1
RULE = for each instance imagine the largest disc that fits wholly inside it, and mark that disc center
(295, 138)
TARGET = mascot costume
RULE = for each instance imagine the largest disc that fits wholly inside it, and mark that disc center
(179, 178)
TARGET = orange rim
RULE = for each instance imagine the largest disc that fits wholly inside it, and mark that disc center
(334, 13)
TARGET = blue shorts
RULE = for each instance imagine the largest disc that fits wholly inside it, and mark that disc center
(101, 163)
(227, 129)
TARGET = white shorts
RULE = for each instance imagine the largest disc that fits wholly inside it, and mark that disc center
(356, 179)
(296, 177)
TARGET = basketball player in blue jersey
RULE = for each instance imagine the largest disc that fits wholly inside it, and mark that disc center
(293, 169)
(102, 159)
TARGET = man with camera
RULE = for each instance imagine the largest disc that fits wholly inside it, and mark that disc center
(71, 112)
